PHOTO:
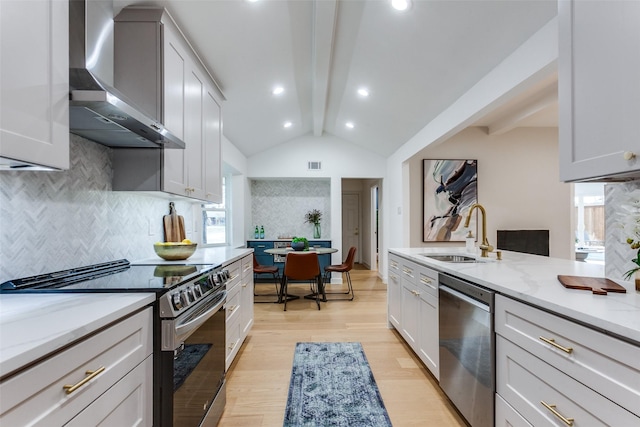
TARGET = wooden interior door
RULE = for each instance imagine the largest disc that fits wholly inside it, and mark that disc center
(351, 224)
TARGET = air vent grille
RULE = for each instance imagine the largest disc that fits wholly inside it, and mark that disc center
(314, 166)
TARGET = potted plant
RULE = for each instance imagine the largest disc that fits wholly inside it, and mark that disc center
(313, 217)
(299, 244)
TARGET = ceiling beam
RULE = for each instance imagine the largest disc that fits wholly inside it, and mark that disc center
(324, 24)
(510, 121)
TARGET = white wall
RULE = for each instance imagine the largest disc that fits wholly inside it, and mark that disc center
(518, 184)
(534, 61)
(235, 167)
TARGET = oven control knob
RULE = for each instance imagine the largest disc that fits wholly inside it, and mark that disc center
(184, 300)
(190, 295)
(176, 301)
(197, 291)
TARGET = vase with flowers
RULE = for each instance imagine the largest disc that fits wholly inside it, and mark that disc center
(313, 217)
(631, 226)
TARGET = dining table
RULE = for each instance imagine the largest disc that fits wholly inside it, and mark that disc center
(319, 251)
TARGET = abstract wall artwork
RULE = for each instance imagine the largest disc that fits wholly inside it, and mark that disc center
(449, 187)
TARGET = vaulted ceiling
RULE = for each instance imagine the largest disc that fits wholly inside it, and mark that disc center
(414, 64)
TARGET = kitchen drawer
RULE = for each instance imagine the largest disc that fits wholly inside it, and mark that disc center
(525, 382)
(428, 280)
(259, 248)
(606, 364)
(247, 265)
(394, 263)
(36, 396)
(233, 303)
(128, 403)
(235, 273)
(506, 416)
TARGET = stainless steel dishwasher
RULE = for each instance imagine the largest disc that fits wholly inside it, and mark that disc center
(467, 348)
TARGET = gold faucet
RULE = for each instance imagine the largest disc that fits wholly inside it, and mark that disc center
(485, 247)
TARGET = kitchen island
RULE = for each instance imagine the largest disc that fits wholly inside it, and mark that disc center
(560, 355)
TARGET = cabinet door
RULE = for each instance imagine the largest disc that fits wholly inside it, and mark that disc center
(246, 297)
(128, 403)
(428, 346)
(394, 292)
(34, 82)
(410, 322)
(194, 151)
(212, 153)
(175, 74)
(599, 88)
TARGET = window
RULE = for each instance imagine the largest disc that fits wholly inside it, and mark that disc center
(215, 225)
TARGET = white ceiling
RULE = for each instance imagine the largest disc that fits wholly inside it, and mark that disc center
(415, 64)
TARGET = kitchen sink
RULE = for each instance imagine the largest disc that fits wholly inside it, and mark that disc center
(450, 258)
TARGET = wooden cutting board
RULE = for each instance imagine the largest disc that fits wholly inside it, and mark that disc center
(173, 225)
(598, 285)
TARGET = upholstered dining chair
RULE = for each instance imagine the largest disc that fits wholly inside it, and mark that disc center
(345, 268)
(302, 266)
(259, 269)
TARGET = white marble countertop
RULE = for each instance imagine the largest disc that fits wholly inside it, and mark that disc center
(534, 280)
(218, 256)
(35, 325)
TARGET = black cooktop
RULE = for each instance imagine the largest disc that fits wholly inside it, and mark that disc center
(117, 275)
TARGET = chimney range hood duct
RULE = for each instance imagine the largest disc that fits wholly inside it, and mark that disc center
(97, 111)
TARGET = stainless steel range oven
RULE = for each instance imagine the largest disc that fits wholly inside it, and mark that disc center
(189, 330)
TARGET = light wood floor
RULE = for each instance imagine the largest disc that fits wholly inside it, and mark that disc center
(258, 380)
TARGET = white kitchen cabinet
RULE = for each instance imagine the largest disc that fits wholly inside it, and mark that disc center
(394, 292)
(543, 395)
(188, 105)
(34, 82)
(246, 295)
(428, 339)
(599, 89)
(589, 376)
(239, 306)
(410, 318)
(413, 295)
(111, 372)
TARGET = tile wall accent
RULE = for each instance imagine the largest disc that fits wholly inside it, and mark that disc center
(617, 252)
(51, 221)
(280, 206)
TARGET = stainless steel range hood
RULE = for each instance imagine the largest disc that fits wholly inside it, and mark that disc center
(98, 111)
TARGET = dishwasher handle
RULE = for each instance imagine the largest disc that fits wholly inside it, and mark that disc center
(465, 298)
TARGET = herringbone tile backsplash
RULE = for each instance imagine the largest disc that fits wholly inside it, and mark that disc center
(52, 221)
(618, 254)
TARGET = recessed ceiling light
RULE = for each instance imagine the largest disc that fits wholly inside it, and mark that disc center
(350, 125)
(400, 4)
(363, 92)
(277, 90)
(287, 124)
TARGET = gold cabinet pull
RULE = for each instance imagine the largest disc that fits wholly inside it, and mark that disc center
(90, 375)
(553, 342)
(552, 408)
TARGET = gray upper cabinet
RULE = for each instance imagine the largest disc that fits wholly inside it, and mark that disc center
(599, 90)
(157, 68)
(34, 88)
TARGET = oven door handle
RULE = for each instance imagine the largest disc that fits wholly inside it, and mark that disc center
(185, 329)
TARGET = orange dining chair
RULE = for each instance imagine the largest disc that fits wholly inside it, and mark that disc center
(259, 269)
(345, 268)
(302, 266)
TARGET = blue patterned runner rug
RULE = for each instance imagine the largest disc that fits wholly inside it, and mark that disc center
(332, 385)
